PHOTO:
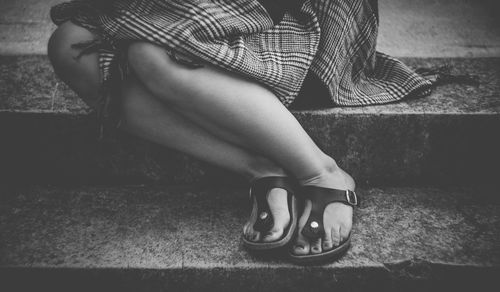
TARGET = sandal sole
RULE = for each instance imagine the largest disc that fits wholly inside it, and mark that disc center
(322, 258)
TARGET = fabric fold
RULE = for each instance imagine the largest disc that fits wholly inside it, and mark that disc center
(334, 40)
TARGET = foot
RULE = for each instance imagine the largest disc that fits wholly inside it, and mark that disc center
(277, 199)
(278, 205)
(337, 217)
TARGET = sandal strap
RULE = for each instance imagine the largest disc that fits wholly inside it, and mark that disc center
(259, 189)
(320, 198)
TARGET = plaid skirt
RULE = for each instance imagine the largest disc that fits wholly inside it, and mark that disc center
(333, 40)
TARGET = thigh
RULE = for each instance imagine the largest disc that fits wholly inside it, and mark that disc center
(179, 84)
(82, 73)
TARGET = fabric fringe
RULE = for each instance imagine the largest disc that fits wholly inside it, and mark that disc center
(106, 108)
(88, 47)
(442, 75)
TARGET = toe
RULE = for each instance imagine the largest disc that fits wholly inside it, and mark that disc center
(245, 230)
(327, 240)
(255, 236)
(301, 246)
(336, 235)
(248, 231)
(344, 232)
(273, 235)
(316, 246)
(251, 235)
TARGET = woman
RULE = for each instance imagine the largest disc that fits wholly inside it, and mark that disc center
(214, 78)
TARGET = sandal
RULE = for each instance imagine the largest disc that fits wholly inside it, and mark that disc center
(264, 221)
(314, 229)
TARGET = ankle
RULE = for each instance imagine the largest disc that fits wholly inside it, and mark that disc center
(324, 175)
(262, 167)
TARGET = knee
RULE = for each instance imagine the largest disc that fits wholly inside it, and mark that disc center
(58, 51)
(82, 75)
(157, 71)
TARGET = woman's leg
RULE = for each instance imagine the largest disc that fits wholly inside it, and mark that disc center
(149, 118)
(146, 116)
(251, 113)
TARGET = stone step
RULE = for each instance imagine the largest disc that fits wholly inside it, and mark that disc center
(424, 28)
(150, 238)
(448, 138)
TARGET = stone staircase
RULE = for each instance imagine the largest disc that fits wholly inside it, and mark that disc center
(122, 214)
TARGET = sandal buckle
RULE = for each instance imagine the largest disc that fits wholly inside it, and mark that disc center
(351, 197)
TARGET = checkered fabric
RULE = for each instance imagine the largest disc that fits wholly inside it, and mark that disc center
(335, 40)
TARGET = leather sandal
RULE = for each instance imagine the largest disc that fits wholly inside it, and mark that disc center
(314, 228)
(263, 217)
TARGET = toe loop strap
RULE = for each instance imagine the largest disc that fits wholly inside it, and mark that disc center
(259, 189)
(264, 221)
(314, 228)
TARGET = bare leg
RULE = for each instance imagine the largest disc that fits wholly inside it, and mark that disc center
(251, 113)
(146, 116)
(246, 109)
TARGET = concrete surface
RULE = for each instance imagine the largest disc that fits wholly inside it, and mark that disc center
(189, 237)
(376, 150)
(28, 84)
(439, 28)
(446, 138)
(425, 28)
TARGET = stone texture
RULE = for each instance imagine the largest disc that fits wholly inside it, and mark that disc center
(27, 11)
(28, 83)
(89, 228)
(376, 149)
(188, 238)
(446, 138)
(444, 28)
(425, 28)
